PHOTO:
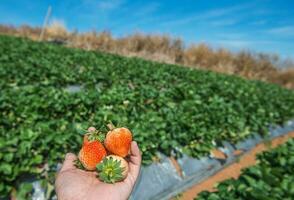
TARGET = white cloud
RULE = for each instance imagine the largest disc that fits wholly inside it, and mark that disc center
(102, 4)
(224, 22)
(259, 22)
(109, 4)
(147, 9)
(208, 15)
(240, 44)
(235, 43)
(232, 35)
(283, 31)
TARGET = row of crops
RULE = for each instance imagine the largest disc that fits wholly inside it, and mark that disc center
(272, 178)
(168, 108)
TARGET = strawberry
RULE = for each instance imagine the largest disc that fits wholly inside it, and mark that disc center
(118, 141)
(92, 151)
(112, 169)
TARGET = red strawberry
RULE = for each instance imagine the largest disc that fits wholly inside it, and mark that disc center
(118, 141)
(92, 151)
(91, 154)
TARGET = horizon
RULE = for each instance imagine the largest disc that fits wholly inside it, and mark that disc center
(265, 26)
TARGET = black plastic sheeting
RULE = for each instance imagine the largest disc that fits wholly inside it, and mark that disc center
(160, 181)
(155, 179)
(196, 170)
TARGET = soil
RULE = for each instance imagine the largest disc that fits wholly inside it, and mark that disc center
(177, 166)
(234, 170)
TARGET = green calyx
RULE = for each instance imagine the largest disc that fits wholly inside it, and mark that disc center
(95, 135)
(79, 165)
(110, 170)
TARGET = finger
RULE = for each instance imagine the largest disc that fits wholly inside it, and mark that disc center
(135, 160)
(68, 162)
(135, 153)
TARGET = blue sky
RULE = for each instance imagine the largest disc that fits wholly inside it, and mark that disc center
(259, 25)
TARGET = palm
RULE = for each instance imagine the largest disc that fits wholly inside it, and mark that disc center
(76, 184)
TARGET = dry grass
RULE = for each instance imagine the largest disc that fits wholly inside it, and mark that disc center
(284, 77)
(163, 48)
(57, 30)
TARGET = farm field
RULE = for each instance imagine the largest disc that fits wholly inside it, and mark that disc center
(51, 94)
(163, 48)
(271, 178)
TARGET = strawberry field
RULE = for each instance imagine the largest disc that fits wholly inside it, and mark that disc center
(169, 109)
(271, 178)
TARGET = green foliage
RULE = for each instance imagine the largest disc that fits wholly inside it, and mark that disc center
(165, 106)
(272, 178)
(24, 191)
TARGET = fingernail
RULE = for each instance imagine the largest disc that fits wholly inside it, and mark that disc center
(135, 143)
(69, 156)
(66, 156)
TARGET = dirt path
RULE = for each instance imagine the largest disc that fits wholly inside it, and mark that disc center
(234, 170)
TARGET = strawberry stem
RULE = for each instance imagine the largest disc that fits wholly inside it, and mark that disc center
(110, 126)
(95, 135)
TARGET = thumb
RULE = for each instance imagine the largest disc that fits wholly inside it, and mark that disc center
(68, 162)
(135, 160)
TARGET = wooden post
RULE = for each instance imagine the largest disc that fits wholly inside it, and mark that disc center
(45, 23)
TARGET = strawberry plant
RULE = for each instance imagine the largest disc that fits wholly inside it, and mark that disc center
(272, 178)
(167, 107)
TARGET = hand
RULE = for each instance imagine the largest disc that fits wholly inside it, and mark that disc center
(76, 184)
